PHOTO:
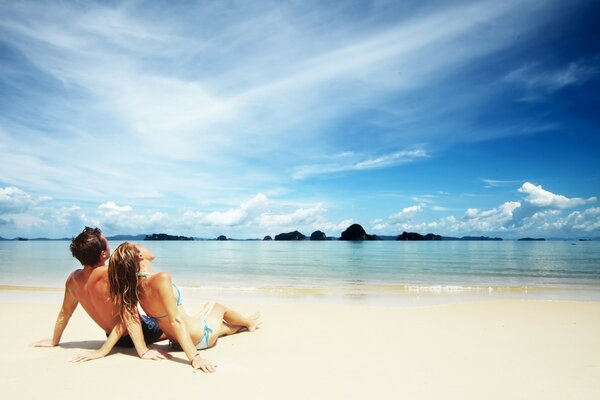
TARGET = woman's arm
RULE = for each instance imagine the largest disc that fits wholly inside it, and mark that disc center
(119, 330)
(163, 284)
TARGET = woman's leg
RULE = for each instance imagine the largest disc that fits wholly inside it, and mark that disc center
(228, 321)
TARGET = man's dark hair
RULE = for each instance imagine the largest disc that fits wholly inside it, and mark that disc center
(87, 246)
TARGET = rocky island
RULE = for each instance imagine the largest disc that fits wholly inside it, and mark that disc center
(164, 236)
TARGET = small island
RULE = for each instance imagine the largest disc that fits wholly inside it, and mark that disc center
(290, 236)
(164, 236)
(418, 236)
(357, 232)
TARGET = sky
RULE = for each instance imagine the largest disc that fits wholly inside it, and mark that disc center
(252, 118)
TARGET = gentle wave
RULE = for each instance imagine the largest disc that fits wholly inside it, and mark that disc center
(390, 288)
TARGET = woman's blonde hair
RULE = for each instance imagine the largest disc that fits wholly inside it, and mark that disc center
(123, 267)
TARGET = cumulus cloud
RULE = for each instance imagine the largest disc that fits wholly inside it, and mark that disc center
(241, 215)
(300, 217)
(587, 221)
(490, 220)
(14, 200)
(405, 215)
(113, 208)
(538, 197)
(251, 216)
(540, 211)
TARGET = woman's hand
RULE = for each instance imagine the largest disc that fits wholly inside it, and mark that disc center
(155, 355)
(203, 364)
(92, 355)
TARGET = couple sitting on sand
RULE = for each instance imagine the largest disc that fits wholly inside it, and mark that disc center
(110, 296)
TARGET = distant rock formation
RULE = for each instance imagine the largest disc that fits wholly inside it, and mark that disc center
(222, 237)
(356, 232)
(164, 236)
(126, 237)
(290, 236)
(479, 238)
(475, 238)
(528, 239)
(267, 238)
(418, 236)
(318, 235)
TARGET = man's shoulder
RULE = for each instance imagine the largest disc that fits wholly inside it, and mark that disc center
(74, 276)
(99, 272)
(74, 282)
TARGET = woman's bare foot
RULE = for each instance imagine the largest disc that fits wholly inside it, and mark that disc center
(254, 322)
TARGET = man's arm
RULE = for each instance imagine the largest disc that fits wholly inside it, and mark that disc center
(66, 311)
(108, 345)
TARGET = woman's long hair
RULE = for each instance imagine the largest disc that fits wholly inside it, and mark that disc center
(123, 267)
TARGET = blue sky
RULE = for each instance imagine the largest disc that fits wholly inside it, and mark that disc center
(254, 118)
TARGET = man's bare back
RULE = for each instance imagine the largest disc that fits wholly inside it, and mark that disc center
(90, 288)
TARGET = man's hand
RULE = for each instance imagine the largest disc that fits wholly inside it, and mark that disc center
(156, 355)
(43, 343)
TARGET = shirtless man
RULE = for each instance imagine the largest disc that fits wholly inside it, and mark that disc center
(89, 286)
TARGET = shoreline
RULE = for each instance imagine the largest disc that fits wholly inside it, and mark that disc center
(504, 348)
(389, 295)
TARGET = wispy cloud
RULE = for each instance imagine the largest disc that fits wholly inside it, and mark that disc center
(352, 162)
(490, 183)
(540, 81)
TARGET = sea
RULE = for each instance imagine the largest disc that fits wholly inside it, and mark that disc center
(395, 273)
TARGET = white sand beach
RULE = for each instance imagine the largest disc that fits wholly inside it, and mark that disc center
(501, 349)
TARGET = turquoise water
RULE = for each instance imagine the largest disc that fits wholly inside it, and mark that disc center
(334, 269)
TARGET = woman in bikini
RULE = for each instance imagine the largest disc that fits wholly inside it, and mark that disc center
(132, 280)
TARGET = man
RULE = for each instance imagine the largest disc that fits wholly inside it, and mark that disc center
(89, 286)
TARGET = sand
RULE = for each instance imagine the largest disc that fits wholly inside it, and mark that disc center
(499, 349)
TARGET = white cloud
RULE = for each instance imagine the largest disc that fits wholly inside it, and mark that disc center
(586, 221)
(113, 208)
(405, 215)
(551, 80)
(14, 200)
(242, 215)
(490, 183)
(300, 217)
(538, 197)
(353, 164)
(489, 220)
(540, 212)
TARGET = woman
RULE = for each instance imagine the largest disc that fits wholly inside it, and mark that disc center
(131, 281)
